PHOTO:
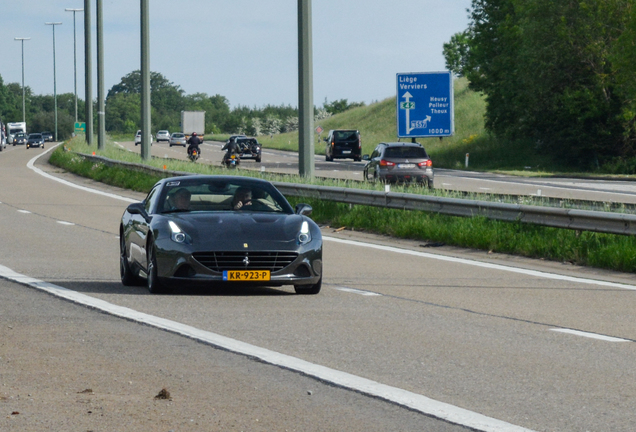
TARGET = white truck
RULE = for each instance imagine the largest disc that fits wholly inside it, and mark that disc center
(193, 121)
(13, 129)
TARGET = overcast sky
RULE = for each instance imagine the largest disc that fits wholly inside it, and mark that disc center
(245, 50)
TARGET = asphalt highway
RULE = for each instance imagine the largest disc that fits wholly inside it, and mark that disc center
(484, 341)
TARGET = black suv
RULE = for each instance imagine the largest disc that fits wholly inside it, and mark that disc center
(249, 148)
(399, 162)
(343, 144)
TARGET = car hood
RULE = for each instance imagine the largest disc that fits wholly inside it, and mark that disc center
(232, 230)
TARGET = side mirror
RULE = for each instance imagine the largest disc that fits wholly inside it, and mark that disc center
(303, 209)
(366, 157)
(138, 208)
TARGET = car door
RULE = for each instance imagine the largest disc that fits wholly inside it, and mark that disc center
(140, 228)
(374, 161)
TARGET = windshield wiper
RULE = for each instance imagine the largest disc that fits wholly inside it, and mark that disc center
(176, 211)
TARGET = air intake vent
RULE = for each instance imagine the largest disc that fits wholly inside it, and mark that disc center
(220, 261)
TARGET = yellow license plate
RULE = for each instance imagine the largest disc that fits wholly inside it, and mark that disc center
(246, 275)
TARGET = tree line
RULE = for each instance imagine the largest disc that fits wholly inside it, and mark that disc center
(123, 109)
(558, 74)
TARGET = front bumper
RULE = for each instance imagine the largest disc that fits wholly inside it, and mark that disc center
(176, 266)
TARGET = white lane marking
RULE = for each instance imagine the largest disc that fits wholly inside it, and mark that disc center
(67, 183)
(24, 211)
(357, 291)
(591, 335)
(534, 273)
(65, 223)
(396, 395)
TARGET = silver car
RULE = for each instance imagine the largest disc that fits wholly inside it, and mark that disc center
(177, 138)
(162, 135)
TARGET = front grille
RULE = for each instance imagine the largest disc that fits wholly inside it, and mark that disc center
(219, 261)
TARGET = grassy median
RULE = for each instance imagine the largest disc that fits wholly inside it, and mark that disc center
(608, 251)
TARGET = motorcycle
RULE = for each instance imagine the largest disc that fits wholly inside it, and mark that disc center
(231, 161)
(194, 155)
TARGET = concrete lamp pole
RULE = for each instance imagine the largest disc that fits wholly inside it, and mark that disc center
(23, 102)
(53, 24)
(74, 55)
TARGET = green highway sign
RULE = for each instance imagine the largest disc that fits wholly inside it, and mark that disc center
(80, 127)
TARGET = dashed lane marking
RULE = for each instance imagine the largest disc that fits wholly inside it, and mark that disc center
(590, 335)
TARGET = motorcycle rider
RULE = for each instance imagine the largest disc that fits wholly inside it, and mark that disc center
(232, 148)
(194, 142)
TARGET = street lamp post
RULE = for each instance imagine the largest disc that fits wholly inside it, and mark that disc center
(23, 103)
(53, 24)
(74, 55)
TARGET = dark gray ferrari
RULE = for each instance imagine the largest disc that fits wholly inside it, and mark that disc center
(210, 230)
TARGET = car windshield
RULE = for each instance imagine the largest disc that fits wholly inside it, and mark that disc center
(21, 135)
(35, 136)
(406, 152)
(221, 195)
(345, 135)
(178, 135)
(247, 140)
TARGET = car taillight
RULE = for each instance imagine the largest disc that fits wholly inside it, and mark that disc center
(426, 163)
(359, 143)
(333, 143)
(384, 162)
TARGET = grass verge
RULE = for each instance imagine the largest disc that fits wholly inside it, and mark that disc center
(606, 251)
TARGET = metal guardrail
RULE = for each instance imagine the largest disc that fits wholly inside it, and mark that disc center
(584, 220)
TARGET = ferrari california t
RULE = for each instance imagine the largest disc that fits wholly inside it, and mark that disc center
(209, 230)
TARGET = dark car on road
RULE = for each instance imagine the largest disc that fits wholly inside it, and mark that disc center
(35, 140)
(20, 138)
(48, 136)
(399, 163)
(249, 148)
(219, 231)
(343, 144)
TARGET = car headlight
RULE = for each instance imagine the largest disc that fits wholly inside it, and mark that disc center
(178, 235)
(304, 236)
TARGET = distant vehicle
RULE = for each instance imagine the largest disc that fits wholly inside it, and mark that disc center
(35, 140)
(249, 148)
(162, 135)
(48, 136)
(177, 138)
(343, 144)
(14, 129)
(20, 138)
(138, 138)
(193, 121)
(3, 138)
(399, 163)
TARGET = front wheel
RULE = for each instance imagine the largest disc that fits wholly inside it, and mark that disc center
(308, 289)
(153, 283)
(127, 276)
